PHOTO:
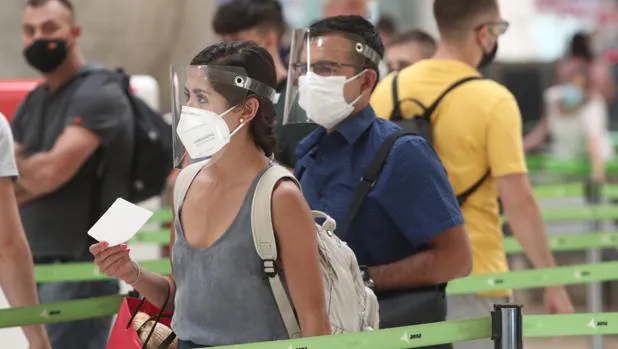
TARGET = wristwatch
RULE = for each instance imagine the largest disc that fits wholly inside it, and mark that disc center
(366, 278)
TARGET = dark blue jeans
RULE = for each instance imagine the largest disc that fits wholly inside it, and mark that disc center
(82, 334)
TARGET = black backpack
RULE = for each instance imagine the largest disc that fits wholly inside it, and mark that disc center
(153, 147)
(421, 124)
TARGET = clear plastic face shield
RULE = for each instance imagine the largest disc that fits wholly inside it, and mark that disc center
(324, 78)
(207, 105)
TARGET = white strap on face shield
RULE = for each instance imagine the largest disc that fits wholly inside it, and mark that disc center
(367, 52)
(257, 87)
(276, 97)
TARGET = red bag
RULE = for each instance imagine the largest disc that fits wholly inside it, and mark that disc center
(125, 336)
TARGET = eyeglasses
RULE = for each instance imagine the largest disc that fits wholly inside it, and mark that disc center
(323, 68)
(497, 28)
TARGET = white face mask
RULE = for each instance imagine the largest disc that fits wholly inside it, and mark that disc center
(203, 132)
(323, 100)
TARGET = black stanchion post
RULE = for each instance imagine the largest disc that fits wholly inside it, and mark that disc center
(507, 327)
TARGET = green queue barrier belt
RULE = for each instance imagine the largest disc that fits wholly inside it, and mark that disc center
(550, 215)
(391, 338)
(580, 213)
(61, 311)
(535, 278)
(450, 332)
(520, 279)
(577, 167)
(511, 245)
(71, 272)
(162, 216)
(158, 236)
(570, 242)
(571, 190)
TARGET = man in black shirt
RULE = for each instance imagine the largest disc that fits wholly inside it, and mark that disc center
(73, 145)
(263, 22)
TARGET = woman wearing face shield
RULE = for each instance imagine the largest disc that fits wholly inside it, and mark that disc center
(223, 111)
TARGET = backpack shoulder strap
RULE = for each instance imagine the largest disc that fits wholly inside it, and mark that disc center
(369, 179)
(266, 244)
(463, 197)
(183, 181)
(432, 108)
(396, 114)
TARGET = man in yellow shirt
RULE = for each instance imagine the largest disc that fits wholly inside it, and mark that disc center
(476, 130)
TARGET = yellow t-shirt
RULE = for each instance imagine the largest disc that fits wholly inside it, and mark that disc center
(476, 127)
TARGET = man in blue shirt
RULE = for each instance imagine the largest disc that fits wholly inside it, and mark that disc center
(409, 230)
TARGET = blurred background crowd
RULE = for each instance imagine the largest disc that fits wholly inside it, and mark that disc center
(145, 36)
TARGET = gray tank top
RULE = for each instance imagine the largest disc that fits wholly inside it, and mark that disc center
(223, 296)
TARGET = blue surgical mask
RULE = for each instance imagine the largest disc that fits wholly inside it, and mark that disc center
(572, 96)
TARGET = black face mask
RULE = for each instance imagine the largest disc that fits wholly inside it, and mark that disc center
(488, 58)
(46, 55)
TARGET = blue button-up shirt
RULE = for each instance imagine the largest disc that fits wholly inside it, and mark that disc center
(411, 202)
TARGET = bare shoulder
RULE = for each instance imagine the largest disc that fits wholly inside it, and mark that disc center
(291, 215)
(287, 193)
(289, 204)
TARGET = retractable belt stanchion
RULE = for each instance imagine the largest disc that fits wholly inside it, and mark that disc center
(594, 290)
(507, 327)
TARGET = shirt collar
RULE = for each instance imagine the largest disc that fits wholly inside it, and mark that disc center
(352, 128)
(304, 147)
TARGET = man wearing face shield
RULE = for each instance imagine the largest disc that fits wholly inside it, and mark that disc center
(476, 130)
(408, 233)
(60, 130)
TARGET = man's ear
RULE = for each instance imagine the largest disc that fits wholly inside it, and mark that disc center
(76, 31)
(369, 79)
(482, 37)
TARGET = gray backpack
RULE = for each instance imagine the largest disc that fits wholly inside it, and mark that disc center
(352, 307)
